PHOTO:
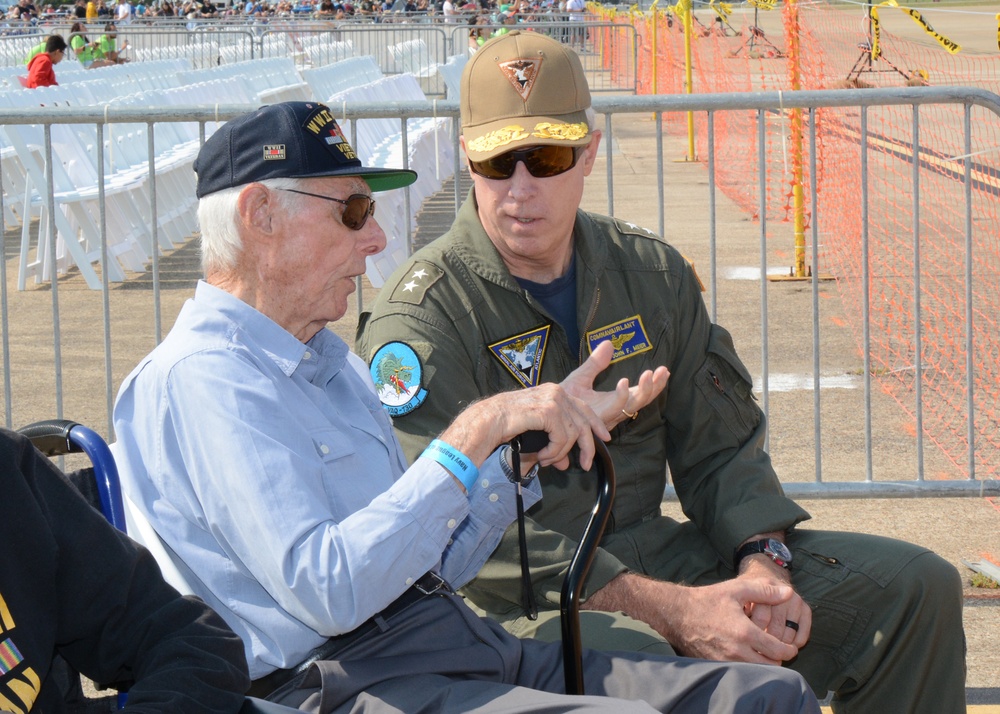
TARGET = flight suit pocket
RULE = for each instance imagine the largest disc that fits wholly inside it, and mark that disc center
(727, 385)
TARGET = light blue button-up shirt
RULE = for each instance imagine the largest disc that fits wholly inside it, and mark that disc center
(270, 472)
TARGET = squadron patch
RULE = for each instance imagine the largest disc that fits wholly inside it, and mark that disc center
(522, 354)
(397, 372)
(628, 337)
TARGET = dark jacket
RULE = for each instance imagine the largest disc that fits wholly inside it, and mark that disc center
(72, 585)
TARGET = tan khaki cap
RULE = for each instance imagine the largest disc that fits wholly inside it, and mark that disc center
(523, 89)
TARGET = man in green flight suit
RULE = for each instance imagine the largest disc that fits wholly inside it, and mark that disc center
(519, 291)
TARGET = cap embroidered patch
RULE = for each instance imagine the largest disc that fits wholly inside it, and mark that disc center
(522, 354)
(321, 124)
(521, 74)
(628, 337)
(397, 372)
(274, 152)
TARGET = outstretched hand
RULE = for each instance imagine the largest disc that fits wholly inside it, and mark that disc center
(493, 421)
(617, 406)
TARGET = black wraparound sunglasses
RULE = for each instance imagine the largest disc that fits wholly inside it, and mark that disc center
(358, 207)
(541, 162)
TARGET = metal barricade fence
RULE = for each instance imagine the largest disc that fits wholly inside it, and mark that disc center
(587, 38)
(415, 48)
(96, 363)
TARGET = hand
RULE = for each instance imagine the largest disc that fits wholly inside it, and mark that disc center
(713, 624)
(772, 618)
(709, 622)
(489, 422)
(611, 406)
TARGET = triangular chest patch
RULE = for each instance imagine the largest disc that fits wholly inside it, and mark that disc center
(522, 354)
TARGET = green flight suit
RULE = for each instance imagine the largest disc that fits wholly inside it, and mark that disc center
(477, 332)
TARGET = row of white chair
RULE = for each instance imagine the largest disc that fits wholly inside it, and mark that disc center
(132, 233)
(428, 150)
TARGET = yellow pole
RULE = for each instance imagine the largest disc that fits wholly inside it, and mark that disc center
(798, 194)
(686, 4)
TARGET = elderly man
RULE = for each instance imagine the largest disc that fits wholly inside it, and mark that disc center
(519, 291)
(255, 444)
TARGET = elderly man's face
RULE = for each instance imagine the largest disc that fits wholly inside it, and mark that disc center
(531, 219)
(311, 272)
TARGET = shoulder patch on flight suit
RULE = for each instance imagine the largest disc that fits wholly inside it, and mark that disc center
(413, 286)
(627, 336)
(701, 285)
(396, 371)
(635, 229)
(522, 354)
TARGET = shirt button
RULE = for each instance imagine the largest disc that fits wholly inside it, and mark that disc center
(307, 355)
(409, 582)
(494, 498)
(324, 448)
(451, 523)
(485, 483)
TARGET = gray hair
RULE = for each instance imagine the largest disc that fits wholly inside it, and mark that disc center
(219, 220)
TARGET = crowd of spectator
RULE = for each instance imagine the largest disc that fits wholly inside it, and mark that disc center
(474, 13)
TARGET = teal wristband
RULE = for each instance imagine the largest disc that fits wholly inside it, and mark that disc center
(455, 461)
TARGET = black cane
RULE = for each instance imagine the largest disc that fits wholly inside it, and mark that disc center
(583, 558)
(579, 567)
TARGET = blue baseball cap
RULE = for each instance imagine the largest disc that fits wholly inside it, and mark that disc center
(287, 140)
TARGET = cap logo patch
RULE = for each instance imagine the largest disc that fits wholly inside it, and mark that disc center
(396, 371)
(522, 354)
(521, 73)
(274, 152)
(321, 124)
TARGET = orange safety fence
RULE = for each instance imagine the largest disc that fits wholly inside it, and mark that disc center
(822, 46)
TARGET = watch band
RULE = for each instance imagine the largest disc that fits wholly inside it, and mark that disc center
(771, 547)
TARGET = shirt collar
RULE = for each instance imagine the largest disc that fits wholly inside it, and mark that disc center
(287, 352)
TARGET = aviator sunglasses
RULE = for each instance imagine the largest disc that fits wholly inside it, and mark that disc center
(541, 162)
(358, 207)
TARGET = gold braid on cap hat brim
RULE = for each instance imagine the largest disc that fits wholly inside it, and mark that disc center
(543, 130)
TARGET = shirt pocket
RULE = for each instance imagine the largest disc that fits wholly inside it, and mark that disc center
(727, 385)
(331, 445)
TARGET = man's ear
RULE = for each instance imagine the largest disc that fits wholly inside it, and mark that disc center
(590, 155)
(461, 143)
(255, 207)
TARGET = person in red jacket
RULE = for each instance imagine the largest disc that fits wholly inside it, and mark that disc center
(40, 69)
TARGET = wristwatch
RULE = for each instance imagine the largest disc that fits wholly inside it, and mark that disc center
(771, 547)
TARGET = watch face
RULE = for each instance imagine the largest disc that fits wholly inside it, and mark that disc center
(778, 550)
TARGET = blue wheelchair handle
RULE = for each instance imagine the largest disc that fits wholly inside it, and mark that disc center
(55, 437)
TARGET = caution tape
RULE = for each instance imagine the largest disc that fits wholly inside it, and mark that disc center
(723, 9)
(763, 4)
(951, 46)
(876, 48)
